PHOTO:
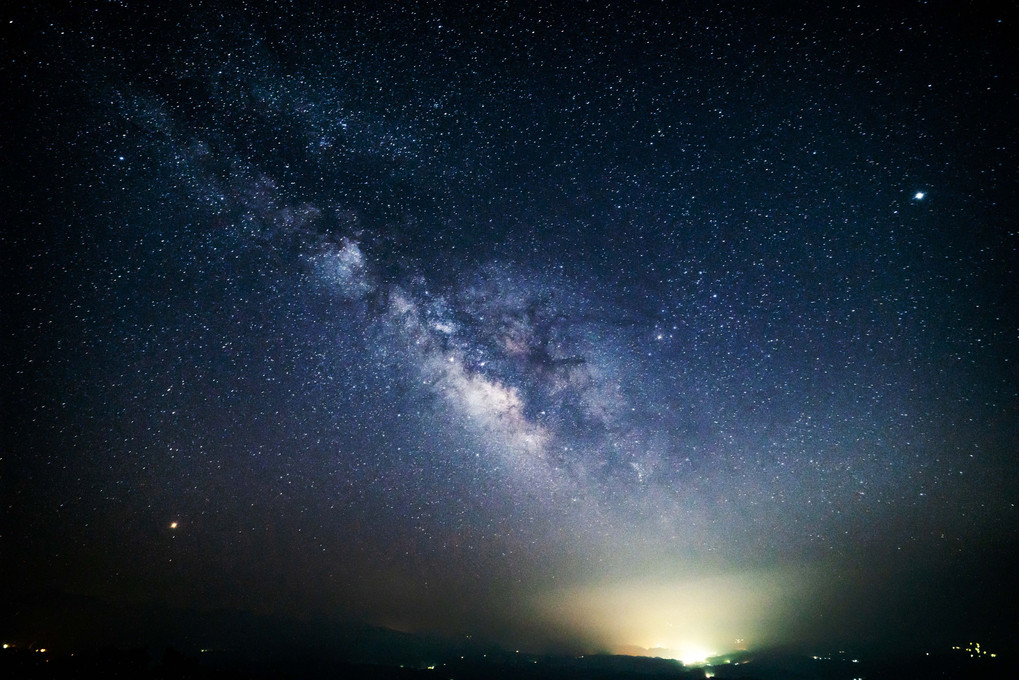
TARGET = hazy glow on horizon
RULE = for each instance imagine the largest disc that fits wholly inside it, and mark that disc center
(689, 620)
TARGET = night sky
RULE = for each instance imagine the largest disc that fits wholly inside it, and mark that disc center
(667, 325)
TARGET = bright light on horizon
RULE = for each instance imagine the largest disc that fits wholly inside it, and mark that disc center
(687, 620)
(687, 654)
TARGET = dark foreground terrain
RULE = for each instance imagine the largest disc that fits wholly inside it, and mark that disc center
(170, 664)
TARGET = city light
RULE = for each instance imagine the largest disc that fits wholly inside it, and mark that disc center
(687, 654)
(974, 651)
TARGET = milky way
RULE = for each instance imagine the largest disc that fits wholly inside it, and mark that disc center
(599, 329)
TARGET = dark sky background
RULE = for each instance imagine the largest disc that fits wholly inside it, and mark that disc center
(656, 325)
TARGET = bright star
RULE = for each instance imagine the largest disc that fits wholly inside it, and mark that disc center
(918, 196)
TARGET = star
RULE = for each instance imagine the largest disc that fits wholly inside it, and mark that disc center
(919, 196)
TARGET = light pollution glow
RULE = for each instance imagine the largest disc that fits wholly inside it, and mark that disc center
(687, 619)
